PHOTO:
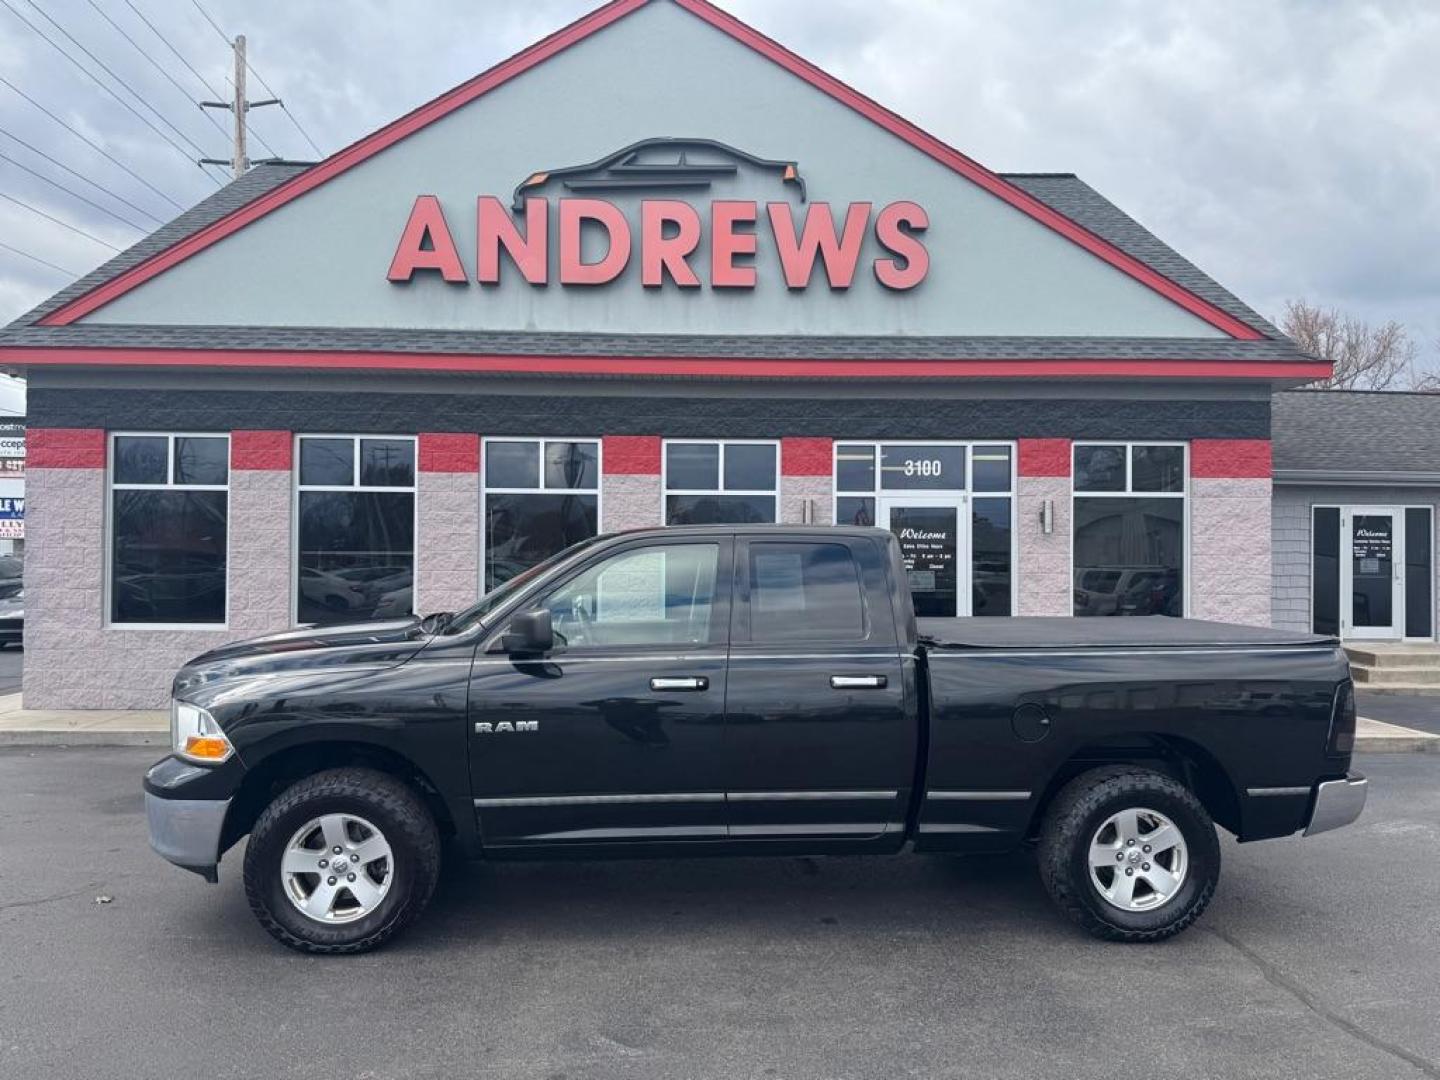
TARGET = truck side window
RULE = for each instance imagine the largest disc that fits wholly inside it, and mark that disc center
(805, 592)
(660, 595)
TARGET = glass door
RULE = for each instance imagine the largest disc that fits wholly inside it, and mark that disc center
(1372, 567)
(934, 544)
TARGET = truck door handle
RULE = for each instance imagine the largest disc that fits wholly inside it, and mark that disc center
(858, 682)
(685, 682)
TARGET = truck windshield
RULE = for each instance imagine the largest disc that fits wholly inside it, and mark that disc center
(502, 593)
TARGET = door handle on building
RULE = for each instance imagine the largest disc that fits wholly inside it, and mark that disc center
(681, 683)
(858, 682)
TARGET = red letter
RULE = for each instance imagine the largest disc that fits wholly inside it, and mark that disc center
(895, 228)
(661, 254)
(426, 219)
(495, 227)
(573, 213)
(726, 243)
(797, 256)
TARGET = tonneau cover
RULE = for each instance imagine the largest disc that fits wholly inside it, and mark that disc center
(1145, 631)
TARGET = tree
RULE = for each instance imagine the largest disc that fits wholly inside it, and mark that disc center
(1364, 357)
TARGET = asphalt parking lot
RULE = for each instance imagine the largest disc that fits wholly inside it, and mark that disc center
(1318, 958)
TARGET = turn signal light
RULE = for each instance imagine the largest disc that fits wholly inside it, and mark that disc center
(196, 736)
(207, 747)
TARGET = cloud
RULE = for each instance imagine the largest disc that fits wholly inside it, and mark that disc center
(1290, 148)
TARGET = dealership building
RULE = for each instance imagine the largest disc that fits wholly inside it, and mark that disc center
(583, 293)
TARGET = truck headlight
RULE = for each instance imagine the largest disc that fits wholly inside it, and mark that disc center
(195, 736)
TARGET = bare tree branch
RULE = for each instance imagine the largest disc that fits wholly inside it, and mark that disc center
(1364, 357)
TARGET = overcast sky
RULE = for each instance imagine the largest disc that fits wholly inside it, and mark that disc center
(1290, 149)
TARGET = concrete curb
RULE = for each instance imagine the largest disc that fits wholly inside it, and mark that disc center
(84, 738)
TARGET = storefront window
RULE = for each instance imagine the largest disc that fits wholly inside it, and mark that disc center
(541, 496)
(168, 528)
(919, 490)
(721, 483)
(1129, 529)
(355, 508)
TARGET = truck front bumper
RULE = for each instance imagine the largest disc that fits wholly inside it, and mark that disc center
(1337, 803)
(187, 831)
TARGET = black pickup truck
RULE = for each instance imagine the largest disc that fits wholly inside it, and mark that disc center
(744, 690)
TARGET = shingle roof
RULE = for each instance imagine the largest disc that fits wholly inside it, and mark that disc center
(1353, 436)
(1064, 192)
(1084, 205)
(232, 196)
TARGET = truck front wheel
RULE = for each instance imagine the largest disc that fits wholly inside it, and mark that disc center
(1129, 854)
(341, 861)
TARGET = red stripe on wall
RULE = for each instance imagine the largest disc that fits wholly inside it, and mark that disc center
(806, 457)
(260, 451)
(65, 448)
(47, 356)
(1230, 458)
(632, 455)
(1044, 457)
(449, 452)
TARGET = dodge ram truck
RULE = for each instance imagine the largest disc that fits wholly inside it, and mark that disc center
(744, 690)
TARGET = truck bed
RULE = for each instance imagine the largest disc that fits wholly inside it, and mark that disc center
(1060, 632)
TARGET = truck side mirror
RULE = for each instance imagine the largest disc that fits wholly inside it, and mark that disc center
(529, 632)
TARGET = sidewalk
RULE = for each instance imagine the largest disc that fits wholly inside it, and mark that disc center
(80, 727)
(126, 727)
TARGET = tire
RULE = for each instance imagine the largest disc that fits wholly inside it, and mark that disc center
(356, 798)
(1085, 812)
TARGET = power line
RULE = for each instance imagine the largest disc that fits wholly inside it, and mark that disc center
(80, 176)
(71, 192)
(107, 88)
(91, 143)
(57, 221)
(42, 262)
(260, 80)
(180, 56)
(153, 62)
(110, 71)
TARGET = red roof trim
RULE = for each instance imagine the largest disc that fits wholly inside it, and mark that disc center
(342, 160)
(578, 31)
(723, 367)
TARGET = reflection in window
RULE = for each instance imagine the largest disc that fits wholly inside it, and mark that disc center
(541, 496)
(1129, 529)
(649, 596)
(355, 512)
(721, 483)
(1129, 556)
(991, 564)
(805, 592)
(169, 519)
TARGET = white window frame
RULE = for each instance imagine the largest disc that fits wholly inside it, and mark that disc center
(296, 488)
(720, 489)
(1129, 493)
(1346, 630)
(111, 487)
(486, 490)
(966, 495)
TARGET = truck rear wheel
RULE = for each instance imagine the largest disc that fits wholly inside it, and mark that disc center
(341, 861)
(1129, 854)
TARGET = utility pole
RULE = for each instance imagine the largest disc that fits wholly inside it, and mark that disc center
(238, 161)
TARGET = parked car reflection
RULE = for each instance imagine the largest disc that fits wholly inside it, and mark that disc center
(12, 600)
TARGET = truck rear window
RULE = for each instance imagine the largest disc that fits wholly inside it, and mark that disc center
(805, 592)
